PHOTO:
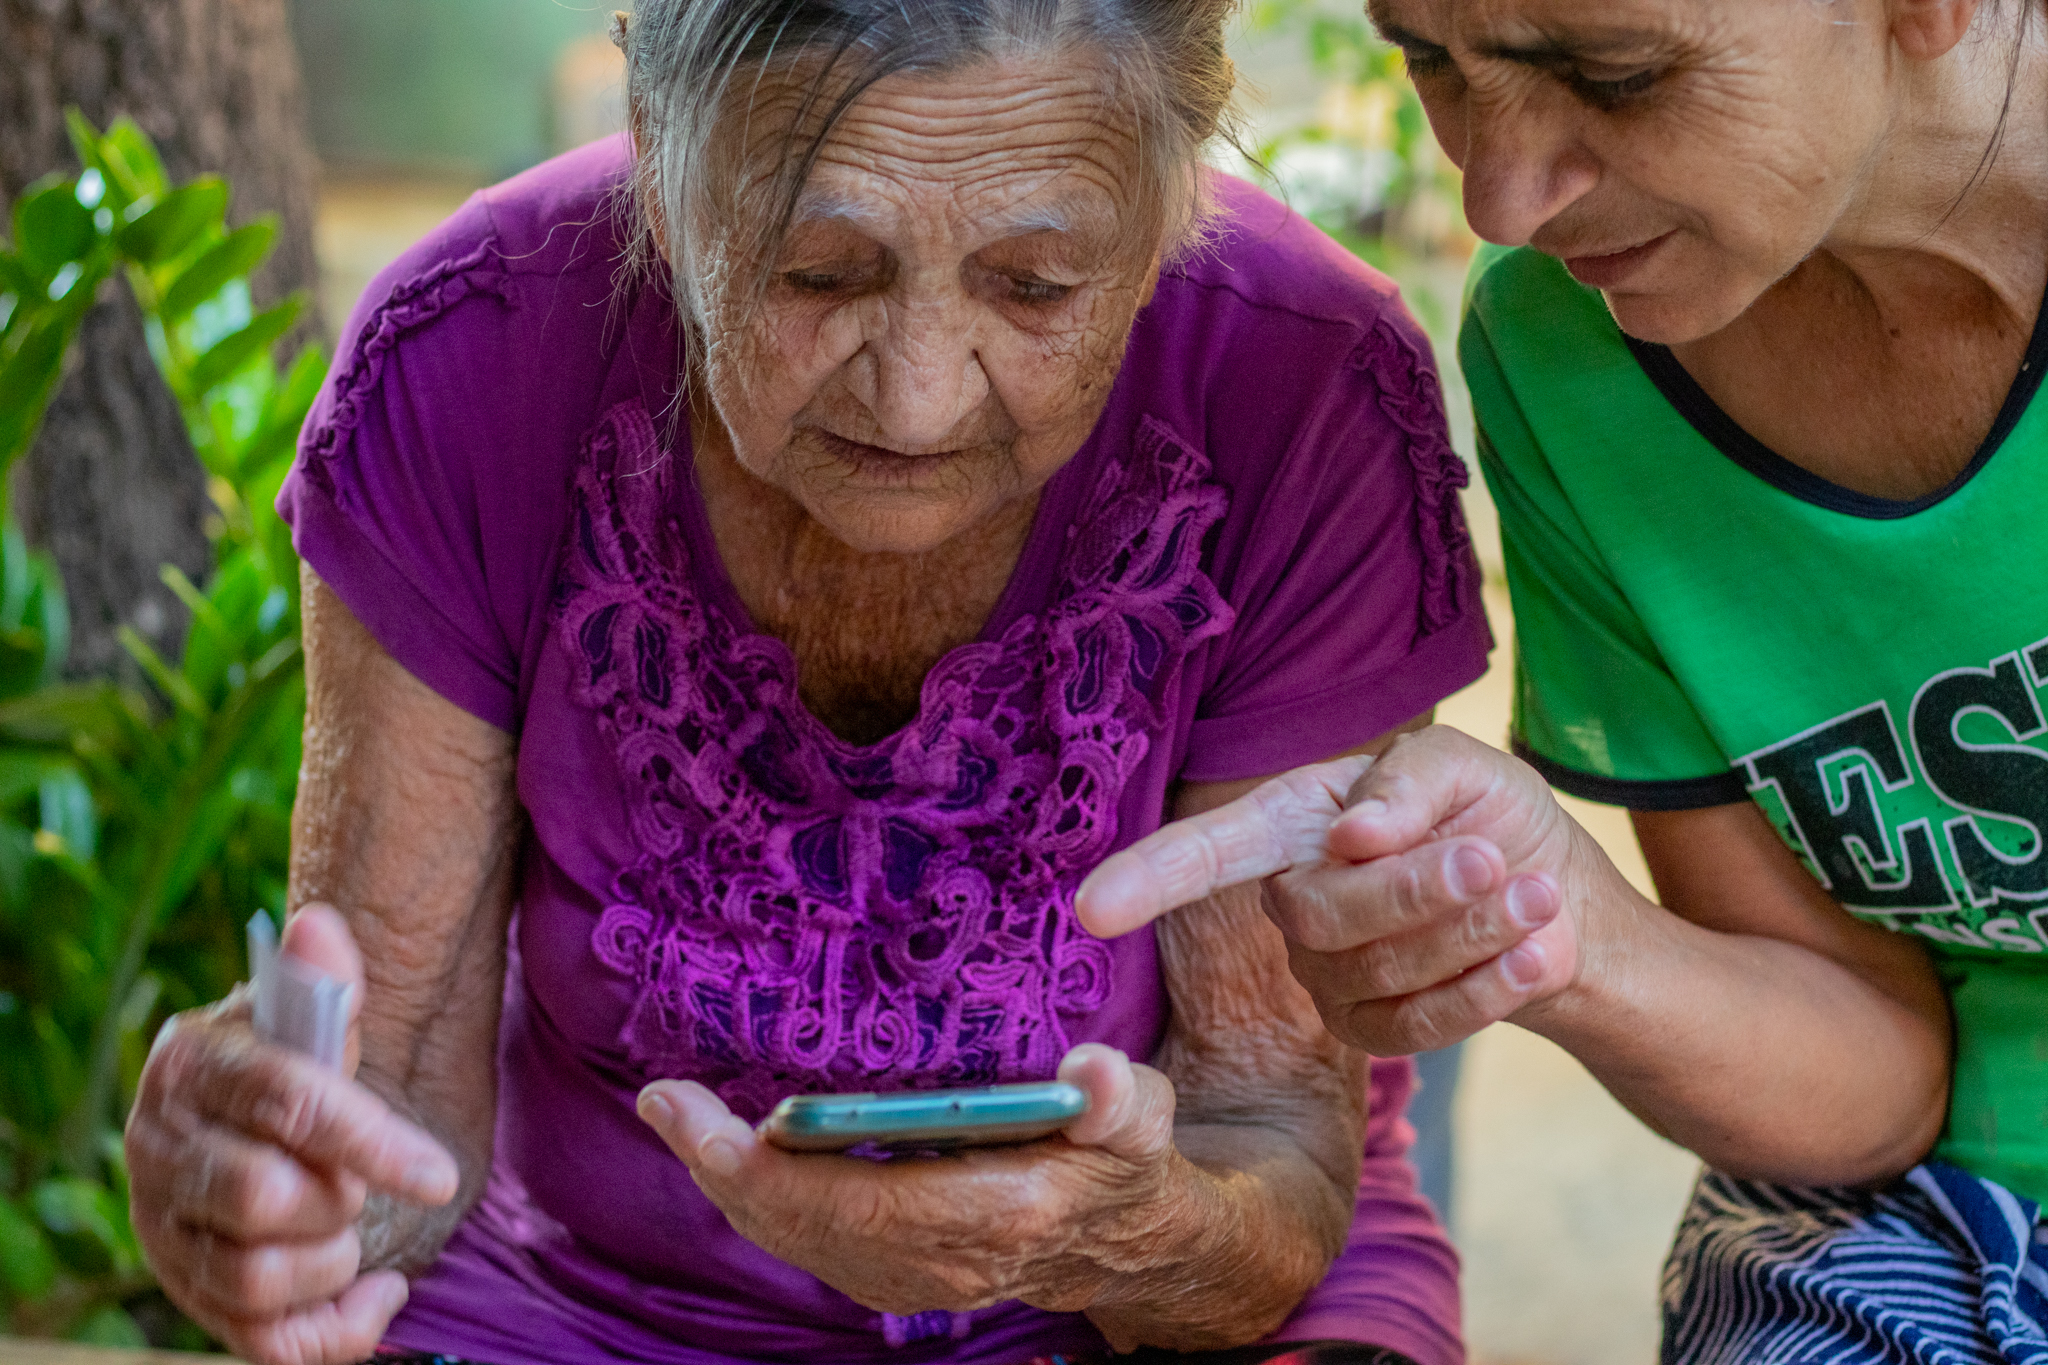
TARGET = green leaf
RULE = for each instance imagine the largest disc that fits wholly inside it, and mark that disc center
(25, 770)
(28, 1265)
(170, 682)
(131, 156)
(110, 1325)
(81, 1217)
(237, 349)
(17, 850)
(63, 715)
(285, 414)
(159, 233)
(26, 382)
(230, 258)
(14, 276)
(21, 661)
(49, 615)
(29, 377)
(85, 139)
(51, 228)
(116, 190)
(15, 579)
(68, 813)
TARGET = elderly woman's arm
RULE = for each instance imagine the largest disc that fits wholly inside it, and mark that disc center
(267, 1191)
(407, 822)
(1271, 1113)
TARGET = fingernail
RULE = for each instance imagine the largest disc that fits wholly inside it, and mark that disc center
(1530, 903)
(654, 1107)
(1469, 873)
(1522, 965)
(718, 1156)
(1372, 808)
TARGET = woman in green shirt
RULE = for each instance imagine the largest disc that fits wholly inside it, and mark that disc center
(1756, 383)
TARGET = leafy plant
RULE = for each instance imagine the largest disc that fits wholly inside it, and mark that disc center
(1366, 167)
(136, 832)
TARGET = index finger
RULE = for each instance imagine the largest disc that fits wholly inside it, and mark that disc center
(1283, 824)
(318, 1117)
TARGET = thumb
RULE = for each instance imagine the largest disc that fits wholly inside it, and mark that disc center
(1130, 1108)
(317, 936)
(1414, 792)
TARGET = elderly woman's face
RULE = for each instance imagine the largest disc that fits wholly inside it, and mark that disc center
(946, 316)
(1680, 155)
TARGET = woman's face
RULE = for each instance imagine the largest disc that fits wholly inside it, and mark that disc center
(1680, 155)
(944, 320)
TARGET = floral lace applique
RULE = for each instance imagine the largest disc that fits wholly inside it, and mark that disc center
(812, 915)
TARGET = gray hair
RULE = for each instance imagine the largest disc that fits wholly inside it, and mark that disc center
(691, 63)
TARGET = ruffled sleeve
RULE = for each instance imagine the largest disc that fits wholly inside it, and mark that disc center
(430, 491)
(1357, 594)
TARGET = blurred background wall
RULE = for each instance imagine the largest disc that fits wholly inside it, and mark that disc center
(458, 88)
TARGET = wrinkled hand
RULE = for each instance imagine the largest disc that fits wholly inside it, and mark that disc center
(1420, 893)
(248, 1167)
(1053, 1222)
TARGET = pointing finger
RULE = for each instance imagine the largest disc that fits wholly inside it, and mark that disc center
(1283, 824)
(317, 1116)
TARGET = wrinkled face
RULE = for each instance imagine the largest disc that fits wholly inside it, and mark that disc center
(1680, 155)
(946, 316)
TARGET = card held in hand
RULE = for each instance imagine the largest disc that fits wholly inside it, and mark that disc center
(297, 1006)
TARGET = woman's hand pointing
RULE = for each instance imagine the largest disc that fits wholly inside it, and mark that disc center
(1420, 893)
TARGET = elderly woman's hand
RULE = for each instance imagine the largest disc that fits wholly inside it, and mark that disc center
(1099, 1215)
(1420, 893)
(248, 1167)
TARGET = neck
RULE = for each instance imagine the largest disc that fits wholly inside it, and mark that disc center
(864, 628)
(1931, 200)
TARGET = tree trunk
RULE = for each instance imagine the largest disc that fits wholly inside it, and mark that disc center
(112, 488)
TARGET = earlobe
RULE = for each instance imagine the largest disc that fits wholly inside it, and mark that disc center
(1926, 30)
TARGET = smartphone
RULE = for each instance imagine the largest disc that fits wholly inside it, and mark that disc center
(924, 1120)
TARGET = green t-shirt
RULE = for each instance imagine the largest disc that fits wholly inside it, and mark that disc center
(1697, 619)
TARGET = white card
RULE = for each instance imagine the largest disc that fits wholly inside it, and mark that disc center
(297, 1006)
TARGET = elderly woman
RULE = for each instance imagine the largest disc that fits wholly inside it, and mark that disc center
(1758, 387)
(735, 670)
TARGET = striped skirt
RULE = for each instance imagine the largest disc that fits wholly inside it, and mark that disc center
(1940, 1268)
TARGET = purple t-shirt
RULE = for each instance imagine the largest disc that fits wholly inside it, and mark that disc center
(1255, 561)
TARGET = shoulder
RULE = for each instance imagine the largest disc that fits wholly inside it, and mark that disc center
(1273, 260)
(486, 325)
(566, 215)
(1278, 349)
(559, 226)
(1313, 396)
(1270, 331)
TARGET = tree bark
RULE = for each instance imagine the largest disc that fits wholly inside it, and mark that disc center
(112, 488)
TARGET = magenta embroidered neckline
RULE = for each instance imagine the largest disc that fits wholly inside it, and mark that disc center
(811, 915)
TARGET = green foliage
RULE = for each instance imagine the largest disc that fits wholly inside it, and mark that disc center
(1370, 109)
(136, 832)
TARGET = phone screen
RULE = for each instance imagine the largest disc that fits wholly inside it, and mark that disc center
(924, 1120)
